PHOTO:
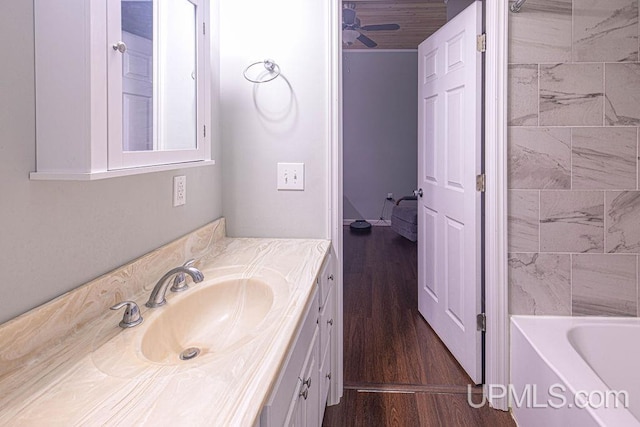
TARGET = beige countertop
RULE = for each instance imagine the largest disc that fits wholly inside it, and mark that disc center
(69, 363)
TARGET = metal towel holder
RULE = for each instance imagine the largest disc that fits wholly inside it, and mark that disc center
(269, 65)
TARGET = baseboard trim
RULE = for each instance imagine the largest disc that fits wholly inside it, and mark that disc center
(374, 222)
(412, 388)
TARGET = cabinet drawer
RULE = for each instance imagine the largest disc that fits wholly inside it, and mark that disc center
(326, 278)
(286, 388)
(325, 376)
(326, 321)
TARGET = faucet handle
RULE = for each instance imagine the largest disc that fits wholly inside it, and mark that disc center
(180, 281)
(131, 315)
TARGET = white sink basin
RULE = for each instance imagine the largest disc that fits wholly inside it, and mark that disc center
(212, 319)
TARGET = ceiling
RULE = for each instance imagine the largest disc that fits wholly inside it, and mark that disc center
(418, 19)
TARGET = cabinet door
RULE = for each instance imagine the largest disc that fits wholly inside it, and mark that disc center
(312, 400)
(298, 415)
(304, 412)
(326, 346)
(167, 124)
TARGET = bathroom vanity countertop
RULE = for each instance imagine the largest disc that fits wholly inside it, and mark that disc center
(64, 383)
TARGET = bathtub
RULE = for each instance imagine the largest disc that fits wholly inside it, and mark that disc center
(575, 371)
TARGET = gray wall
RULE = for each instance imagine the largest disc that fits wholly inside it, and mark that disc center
(454, 7)
(284, 120)
(380, 129)
(55, 236)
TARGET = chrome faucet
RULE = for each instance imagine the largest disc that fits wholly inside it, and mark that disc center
(180, 281)
(157, 297)
(131, 315)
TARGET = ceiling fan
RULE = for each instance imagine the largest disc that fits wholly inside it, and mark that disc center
(351, 28)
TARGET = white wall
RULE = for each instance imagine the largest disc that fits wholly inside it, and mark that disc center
(380, 130)
(55, 236)
(281, 121)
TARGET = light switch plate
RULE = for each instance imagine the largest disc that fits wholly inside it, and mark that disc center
(291, 176)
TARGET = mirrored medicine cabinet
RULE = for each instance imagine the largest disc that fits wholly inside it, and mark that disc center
(121, 87)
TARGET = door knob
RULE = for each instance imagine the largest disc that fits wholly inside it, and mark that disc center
(120, 47)
(418, 192)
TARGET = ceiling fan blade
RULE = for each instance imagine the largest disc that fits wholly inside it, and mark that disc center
(348, 16)
(381, 27)
(367, 41)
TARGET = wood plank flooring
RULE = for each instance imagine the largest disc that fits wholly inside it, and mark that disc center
(397, 371)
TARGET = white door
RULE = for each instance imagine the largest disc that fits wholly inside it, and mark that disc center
(449, 150)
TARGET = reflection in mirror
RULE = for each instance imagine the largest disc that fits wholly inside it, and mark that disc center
(137, 76)
(177, 75)
(159, 75)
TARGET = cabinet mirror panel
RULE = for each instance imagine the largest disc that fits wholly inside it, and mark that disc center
(159, 75)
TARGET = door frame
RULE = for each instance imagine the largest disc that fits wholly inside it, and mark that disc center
(334, 189)
(495, 245)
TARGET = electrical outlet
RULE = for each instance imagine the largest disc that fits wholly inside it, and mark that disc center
(290, 176)
(179, 190)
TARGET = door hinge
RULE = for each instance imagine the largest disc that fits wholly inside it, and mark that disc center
(481, 182)
(481, 322)
(481, 42)
(204, 131)
(204, 28)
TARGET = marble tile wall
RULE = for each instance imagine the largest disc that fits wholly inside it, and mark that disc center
(573, 174)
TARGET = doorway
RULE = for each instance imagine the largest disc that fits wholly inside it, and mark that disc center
(497, 326)
(391, 133)
(497, 337)
(388, 345)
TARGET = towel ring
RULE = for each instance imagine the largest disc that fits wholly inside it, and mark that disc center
(269, 65)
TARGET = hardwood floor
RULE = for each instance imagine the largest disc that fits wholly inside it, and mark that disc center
(397, 372)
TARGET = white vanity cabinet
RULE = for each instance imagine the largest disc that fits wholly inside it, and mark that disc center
(306, 409)
(90, 86)
(294, 398)
(326, 322)
(300, 394)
